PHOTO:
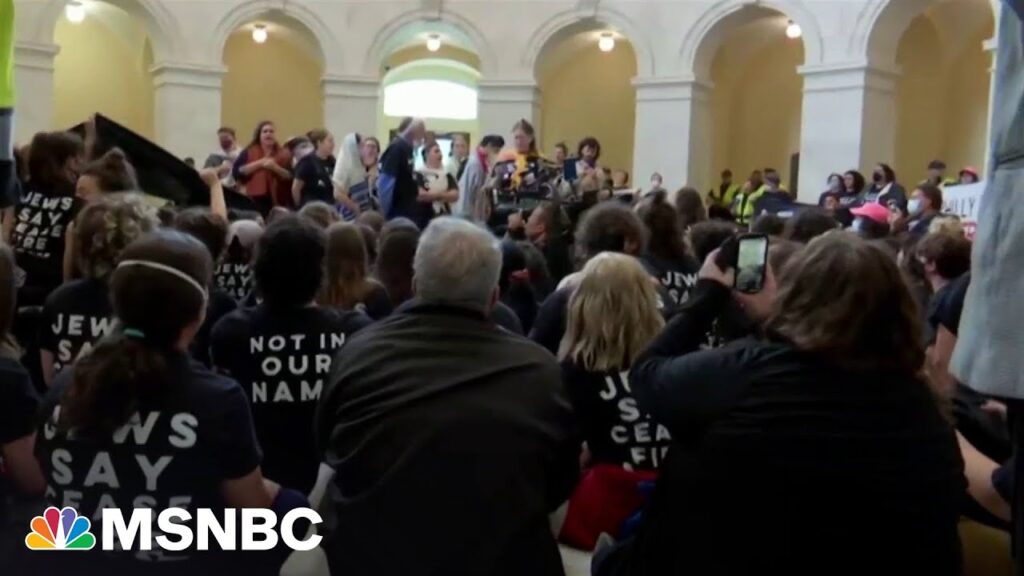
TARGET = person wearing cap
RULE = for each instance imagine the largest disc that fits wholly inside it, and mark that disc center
(871, 221)
(969, 175)
(937, 175)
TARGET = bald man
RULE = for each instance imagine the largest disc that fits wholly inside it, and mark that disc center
(401, 195)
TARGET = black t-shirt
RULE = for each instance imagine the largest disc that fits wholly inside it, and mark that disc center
(41, 222)
(397, 162)
(175, 452)
(616, 431)
(316, 180)
(282, 359)
(75, 317)
(678, 277)
(936, 305)
(220, 305)
(18, 405)
(952, 305)
(234, 278)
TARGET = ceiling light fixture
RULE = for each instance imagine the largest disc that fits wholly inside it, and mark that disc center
(259, 34)
(434, 42)
(607, 42)
(74, 11)
(793, 30)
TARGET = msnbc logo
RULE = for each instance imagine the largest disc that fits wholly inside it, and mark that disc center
(60, 530)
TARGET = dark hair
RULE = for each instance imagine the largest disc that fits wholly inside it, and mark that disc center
(226, 130)
(690, 207)
(373, 219)
(951, 253)
(720, 213)
(514, 284)
(369, 242)
(591, 142)
(858, 180)
(130, 369)
(890, 174)
(706, 237)
(426, 150)
(103, 229)
(872, 230)
(493, 141)
(934, 195)
(608, 227)
(936, 165)
(256, 133)
(397, 248)
(317, 136)
(47, 155)
(845, 300)
(726, 172)
(403, 125)
(808, 224)
(665, 233)
(347, 268)
(320, 213)
(8, 304)
(562, 146)
(769, 225)
(209, 228)
(527, 128)
(289, 262)
(113, 172)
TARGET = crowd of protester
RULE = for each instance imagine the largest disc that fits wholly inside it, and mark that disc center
(492, 357)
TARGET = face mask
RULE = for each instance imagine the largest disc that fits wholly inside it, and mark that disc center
(876, 177)
(914, 206)
(835, 185)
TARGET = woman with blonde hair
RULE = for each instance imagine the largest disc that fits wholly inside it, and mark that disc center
(347, 285)
(612, 317)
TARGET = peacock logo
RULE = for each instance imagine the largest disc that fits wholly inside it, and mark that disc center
(60, 530)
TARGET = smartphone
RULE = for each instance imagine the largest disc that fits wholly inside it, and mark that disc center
(751, 263)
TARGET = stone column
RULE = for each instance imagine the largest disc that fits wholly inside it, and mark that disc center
(186, 108)
(849, 121)
(350, 105)
(33, 77)
(673, 131)
(503, 103)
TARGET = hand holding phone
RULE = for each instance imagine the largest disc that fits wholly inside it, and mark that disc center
(751, 263)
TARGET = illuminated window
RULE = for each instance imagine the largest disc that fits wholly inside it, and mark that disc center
(430, 99)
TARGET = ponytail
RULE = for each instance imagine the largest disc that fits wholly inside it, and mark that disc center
(110, 383)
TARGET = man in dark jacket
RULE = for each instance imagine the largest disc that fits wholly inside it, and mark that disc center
(452, 438)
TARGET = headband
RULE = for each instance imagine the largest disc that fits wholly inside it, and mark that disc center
(168, 269)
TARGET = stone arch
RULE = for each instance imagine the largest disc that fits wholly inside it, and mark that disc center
(568, 22)
(881, 24)
(389, 37)
(161, 26)
(702, 41)
(246, 12)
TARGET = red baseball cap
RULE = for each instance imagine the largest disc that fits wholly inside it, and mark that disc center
(872, 211)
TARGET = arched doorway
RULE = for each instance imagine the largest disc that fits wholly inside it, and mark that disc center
(942, 94)
(278, 78)
(430, 70)
(749, 58)
(585, 73)
(103, 66)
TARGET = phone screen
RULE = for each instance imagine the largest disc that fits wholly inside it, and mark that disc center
(751, 263)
